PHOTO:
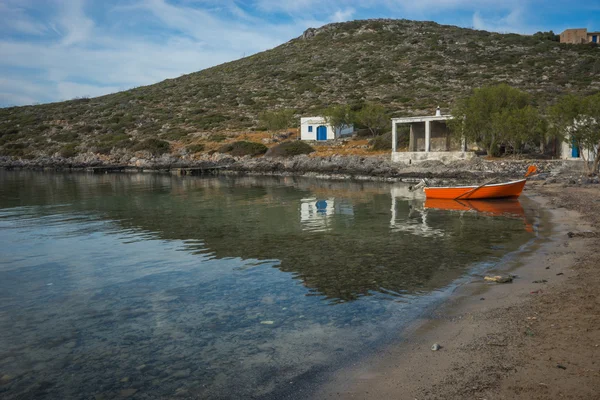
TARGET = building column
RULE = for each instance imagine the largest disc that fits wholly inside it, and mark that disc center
(427, 135)
(463, 144)
(394, 139)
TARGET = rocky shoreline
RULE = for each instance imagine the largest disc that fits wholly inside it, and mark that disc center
(332, 167)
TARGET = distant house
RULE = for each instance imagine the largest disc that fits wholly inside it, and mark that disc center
(578, 36)
(569, 151)
(317, 128)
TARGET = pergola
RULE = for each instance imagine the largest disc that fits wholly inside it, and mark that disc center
(420, 144)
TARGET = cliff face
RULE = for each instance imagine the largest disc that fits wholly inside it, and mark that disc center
(407, 66)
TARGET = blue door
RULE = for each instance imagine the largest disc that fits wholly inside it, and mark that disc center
(322, 133)
(574, 151)
(595, 39)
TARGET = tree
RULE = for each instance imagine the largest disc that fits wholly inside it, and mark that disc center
(373, 116)
(550, 35)
(276, 120)
(577, 121)
(520, 127)
(482, 117)
(338, 116)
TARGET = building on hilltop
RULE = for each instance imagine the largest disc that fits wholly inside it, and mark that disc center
(317, 128)
(578, 36)
(428, 139)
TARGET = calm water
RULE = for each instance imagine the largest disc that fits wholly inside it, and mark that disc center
(153, 286)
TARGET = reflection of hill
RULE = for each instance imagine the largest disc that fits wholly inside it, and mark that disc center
(254, 218)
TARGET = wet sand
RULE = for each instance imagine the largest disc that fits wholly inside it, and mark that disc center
(521, 340)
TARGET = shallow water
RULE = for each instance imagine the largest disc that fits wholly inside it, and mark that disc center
(153, 286)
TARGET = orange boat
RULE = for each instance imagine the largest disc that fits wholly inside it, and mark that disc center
(485, 191)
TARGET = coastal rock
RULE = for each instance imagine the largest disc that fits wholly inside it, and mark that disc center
(499, 278)
(435, 347)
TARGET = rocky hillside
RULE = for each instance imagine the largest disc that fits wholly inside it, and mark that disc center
(409, 67)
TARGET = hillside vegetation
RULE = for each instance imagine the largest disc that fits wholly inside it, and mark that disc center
(408, 67)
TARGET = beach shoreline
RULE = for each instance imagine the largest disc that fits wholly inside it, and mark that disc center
(503, 341)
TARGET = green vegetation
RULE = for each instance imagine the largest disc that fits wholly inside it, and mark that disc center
(338, 116)
(155, 147)
(277, 120)
(373, 117)
(408, 67)
(382, 142)
(243, 148)
(579, 118)
(497, 116)
(289, 149)
(195, 148)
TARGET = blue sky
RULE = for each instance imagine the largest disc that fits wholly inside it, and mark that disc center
(53, 50)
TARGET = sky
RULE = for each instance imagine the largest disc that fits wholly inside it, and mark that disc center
(53, 50)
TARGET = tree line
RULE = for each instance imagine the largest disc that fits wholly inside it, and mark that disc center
(501, 117)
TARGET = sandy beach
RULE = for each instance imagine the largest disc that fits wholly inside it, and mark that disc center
(535, 338)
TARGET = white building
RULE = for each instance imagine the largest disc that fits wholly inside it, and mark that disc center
(429, 139)
(317, 128)
(571, 152)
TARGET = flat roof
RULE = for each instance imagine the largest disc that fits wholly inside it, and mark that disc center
(406, 120)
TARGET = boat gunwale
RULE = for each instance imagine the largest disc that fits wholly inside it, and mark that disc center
(474, 186)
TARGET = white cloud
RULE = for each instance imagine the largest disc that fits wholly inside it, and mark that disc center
(342, 15)
(76, 25)
(514, 21)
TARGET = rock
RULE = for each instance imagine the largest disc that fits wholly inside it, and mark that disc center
(540, 281)
(499, 278)
(127, 392)
(560, 366)
(5, 379)
(182, 373)
(435, 347)
(124, 380)
(267, 322)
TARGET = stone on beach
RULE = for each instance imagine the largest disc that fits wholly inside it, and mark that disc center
(499, 278)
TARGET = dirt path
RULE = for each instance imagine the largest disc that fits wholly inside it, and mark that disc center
(522, 340)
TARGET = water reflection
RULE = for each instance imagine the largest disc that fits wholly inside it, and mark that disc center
(316, 215)
(163, 286)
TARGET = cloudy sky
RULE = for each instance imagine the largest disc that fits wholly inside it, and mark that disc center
(53, 50)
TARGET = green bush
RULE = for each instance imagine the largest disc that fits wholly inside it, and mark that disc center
(195, 148)
(382, 142)
(289, 149)
(13, 149)
(154, 146)
(68, 151)
(243, 148)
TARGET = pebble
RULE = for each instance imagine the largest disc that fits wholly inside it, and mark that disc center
(182, 373)
(435, 347)
(127, 392)
(267, 322)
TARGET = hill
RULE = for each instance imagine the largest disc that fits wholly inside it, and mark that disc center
(409, 67)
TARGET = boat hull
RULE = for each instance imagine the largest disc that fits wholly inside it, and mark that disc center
(495, 191)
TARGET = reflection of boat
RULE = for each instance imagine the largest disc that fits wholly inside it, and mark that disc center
(485, 191)
(492, 207)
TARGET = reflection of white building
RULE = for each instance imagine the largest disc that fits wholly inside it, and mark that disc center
(415, 221)
(317, 214)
